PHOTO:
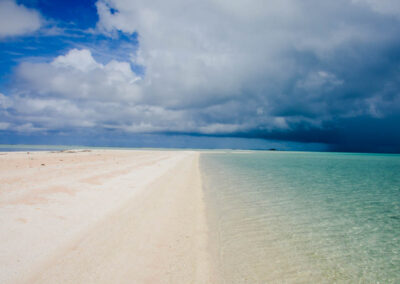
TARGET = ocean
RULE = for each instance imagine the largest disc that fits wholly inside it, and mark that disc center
(299, 217)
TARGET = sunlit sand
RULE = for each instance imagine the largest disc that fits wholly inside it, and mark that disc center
(102, 216)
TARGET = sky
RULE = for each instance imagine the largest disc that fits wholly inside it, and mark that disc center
(252, 74)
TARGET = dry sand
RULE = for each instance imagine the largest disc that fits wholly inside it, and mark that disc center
(104, 216)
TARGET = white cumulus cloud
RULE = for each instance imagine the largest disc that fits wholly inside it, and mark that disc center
(17, 20)
(77, 75)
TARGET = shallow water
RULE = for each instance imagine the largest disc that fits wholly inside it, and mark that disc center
(284, 217)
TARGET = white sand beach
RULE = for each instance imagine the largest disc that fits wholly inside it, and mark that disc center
(102, 216)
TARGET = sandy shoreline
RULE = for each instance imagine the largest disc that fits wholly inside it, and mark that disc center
(104, 216)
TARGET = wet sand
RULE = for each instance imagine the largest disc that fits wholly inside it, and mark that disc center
(103, 216)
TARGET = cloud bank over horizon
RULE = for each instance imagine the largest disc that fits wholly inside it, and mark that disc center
(302, 71)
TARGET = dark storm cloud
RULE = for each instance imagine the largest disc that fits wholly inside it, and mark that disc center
(306, 71)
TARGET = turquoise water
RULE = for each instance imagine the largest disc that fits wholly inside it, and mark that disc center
(282, 217)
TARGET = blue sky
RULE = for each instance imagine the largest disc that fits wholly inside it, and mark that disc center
(67, 25)
(301, 75)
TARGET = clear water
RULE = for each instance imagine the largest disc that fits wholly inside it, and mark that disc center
(280, 217)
